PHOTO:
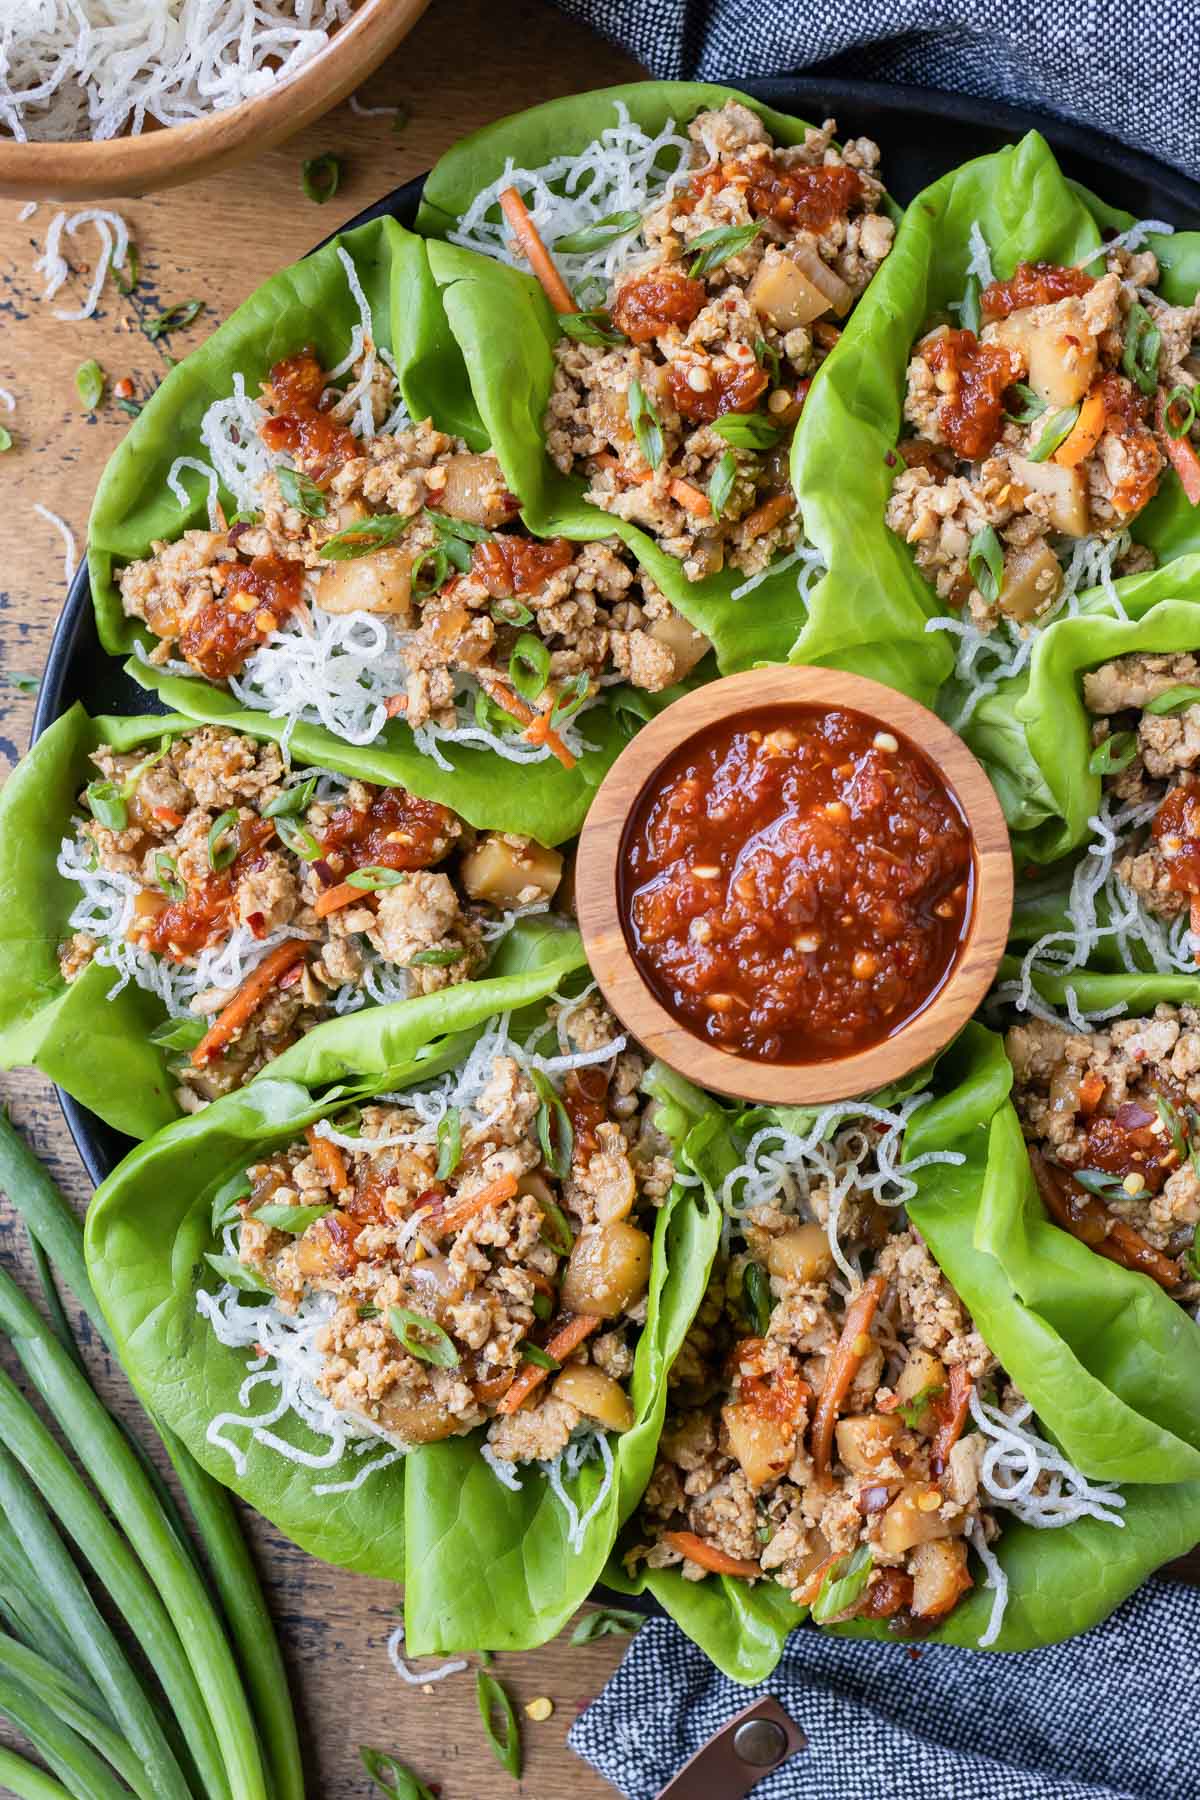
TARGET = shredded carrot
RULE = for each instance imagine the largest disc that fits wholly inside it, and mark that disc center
(707, 1556)
(771, 513)
(503, 1188)
(539, 731)
(559, 1345)
(536, 254)
(395, 704)
(1091, 1091)
(1084, 434)
(246, 1001)
(844, 1365)
(1180, 453)
(334, 898)
(166, 815)
(952, 1417)
(691, 499)
(329, 1159)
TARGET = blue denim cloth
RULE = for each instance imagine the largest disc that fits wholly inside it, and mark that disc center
(1110, 1715)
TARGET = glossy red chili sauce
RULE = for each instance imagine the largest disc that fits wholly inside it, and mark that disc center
(1032, 284)
(299, 427)
(1176, 833)
(796, 884)
(254, 601)
(971, 417)
(396, 830)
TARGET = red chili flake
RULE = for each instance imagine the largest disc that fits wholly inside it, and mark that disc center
(123, 389)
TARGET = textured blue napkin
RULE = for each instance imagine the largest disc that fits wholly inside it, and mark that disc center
(1110, 1715)
(1127, 67)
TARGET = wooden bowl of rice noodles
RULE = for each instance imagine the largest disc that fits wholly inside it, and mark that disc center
(104, 98)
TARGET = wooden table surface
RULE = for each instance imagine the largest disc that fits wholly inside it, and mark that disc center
(467, 62)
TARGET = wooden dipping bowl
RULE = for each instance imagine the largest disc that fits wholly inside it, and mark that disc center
(598, 890)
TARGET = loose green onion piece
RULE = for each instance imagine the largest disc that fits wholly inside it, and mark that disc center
(364, 537)
(519, 615)
(607, 1621)
(1099, 1181)
(294, 1219)
(297, 838)
(768, 359)
(541, 1359)
(594, 237)
(220, 855)
(128, 274)
(1031, 406)
(174, 319)
(557, 1156)
(911, 1410)
(756, 1288)
(291, 801)
(235, 1272)
(423, 1338)
(747, 431)
(429, 573)
(843, 1584)
(1114, 753)
(300, 492)
(106, 806)
(542, 1307)
(89, 383)
(400, 1781)
(24, 684)
(492, 1700)
(167, 871)
(1174, 700)
(1176, 425)
(717, 246)
(1058, 428)
(367, 1311)
(403, 113)
(556, 1228)
(1174, 1125)
(436, 959)
(134, 778)
(721, 482)
(644, 421)
(132, 407)
(986, 563)
(320, 177)
(529, 666)
(968, 312)
(225, 1208)
(593, 327)
(374, 877)
(6, 442)
(1143, 340)
(449, 1143)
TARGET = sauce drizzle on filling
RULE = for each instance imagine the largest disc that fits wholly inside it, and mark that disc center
(796, 884)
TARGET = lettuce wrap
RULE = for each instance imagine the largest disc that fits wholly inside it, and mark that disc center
(485, 1565)
(99, 1049)
(507, 329)
(137, 505)
(1108, 1362)
(1027, 211)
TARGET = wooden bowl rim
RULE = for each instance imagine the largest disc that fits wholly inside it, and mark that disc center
(598, 890)
(123, 166)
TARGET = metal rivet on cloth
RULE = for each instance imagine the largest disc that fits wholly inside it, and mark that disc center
(760, 1742)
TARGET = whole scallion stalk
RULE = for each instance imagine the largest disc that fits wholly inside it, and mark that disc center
(63, 1699)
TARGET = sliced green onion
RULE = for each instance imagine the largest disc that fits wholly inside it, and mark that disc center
(541, 1359)
(529, 666)
(436, 959)
(132, 407)
(756, 1289)
(90, 380)
(364, 537)
(1032, 407)
(646, 428)
(178, 1034)
(291, 801)
(1174, 1125)
(167, 871)
(593, 237)
(912, 1409)
(393, 1777)
(986, 563)
(747, 431)
(225, 1208)
(174, 319)
(492, 1699)
(1114, 753)
(558, 1156)
(607, 1621)
(1058, 429)
(235, 1272)
(128, 274)
(220, 855)
(556, 1229)
(1173, 425)
(844, 1582)
(520, 614)
(721, 482)
(6, 442)
(133, 780)
(24, 684)
(1174, 700)
(969, 313)
(106, 805)
(569, 700)
(374, 877)
(320, 177)
(1143, 340)
(430, 571)
(449, 1143)
(1099, 1181)
(542, 1307)
(717, 246)
(768, 359)
(293, 1219)
(300, 492)
(297, 838)
(594, 327)
(422, 1338)
(367, 1311)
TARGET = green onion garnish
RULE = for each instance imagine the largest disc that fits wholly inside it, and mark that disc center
(594, 237)
(235, 1272)
(1175, 423)
(388, 1774)
(1031, 406)
(1174, 700)
(436, 959)
(556, 1156)
(541, 1359)
(89, 383)
(300, 492)
(291, 801)
(106, 805)
(529, 666)
(1143, 340)
(748, 431)
(594, 327)
(364, 537)
(294, 1219)
(449, 1142)
(646, 428)
(374, 877)
(167, 871)
(220, 855)
(423, 1338)
(986, 563)
(320, 177)
(1114, 753)
(1058, 428)
(492, 1700)
(717, 246)
(756, 1290)
(844, 1582)
(174, 319)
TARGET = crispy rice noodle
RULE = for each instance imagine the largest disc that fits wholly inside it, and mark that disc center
(418, 1677)
(286, 1361)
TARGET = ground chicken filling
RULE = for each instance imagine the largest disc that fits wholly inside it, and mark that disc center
(1051, 424)
(678, 398)
(1114, 1133)
(821, 1441)
(219, 844)
(1147, 748)
(493, 1270)
(415, 529)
